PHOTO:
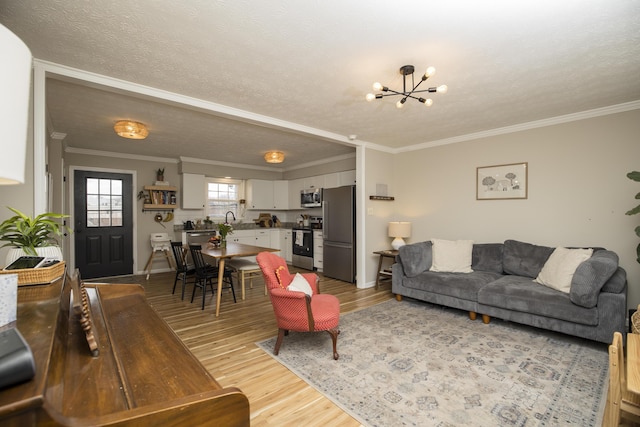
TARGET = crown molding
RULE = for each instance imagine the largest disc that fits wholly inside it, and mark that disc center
(588, 114)
(100, 153)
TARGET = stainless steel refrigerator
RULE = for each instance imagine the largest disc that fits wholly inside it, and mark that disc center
(339, 233)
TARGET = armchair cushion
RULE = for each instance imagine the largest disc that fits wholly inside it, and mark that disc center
(300, 284)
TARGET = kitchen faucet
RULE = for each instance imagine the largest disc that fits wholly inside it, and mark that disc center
(226, 217)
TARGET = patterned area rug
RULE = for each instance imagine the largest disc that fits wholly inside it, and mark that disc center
(415, 364)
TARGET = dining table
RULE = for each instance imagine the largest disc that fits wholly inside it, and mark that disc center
(633, 363)
(221, 254)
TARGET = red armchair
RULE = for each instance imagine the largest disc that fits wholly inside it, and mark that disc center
(296, 311)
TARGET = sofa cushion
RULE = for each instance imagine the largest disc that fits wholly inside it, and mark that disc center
(617, 283)
(524, 259)
(558, 271)
(415, 258)
(590, 277)
(487, 257)
(457, 285)
(452, 256)
(522, 294)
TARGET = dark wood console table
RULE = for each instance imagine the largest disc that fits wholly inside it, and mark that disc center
(143, 376)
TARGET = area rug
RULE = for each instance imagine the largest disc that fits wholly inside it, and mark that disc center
(415, 364)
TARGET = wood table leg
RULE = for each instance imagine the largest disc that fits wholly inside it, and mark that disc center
(220, 277)
(378, 272)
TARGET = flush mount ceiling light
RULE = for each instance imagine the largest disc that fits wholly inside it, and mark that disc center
(274, 157)
(408, 70)
(131, 130)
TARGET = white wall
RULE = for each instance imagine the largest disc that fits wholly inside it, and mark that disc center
(578, 189)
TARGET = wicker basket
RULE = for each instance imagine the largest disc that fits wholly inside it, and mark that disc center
(635, 322)
(36, 276)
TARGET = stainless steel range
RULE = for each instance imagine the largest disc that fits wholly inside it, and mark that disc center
(302, 241)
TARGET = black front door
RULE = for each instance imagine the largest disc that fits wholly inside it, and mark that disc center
(103, 227)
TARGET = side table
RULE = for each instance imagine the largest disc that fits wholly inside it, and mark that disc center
(384, 274)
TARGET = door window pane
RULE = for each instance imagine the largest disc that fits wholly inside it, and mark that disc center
(104, 202)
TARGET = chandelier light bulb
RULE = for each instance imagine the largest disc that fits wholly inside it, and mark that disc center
(377, 86)
(430, 72)
(428, 102)
(442, 89)
(400, 103)
(370, 97)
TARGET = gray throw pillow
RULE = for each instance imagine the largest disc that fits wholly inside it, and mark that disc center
(415, 258)
(590, 277)
(524, 259)
(487, 257)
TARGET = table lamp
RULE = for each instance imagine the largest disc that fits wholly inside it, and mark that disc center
(398, 230)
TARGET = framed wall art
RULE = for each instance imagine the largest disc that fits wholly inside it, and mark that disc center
(508, 181)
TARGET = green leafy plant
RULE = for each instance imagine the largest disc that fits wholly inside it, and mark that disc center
(635, 175)
(224, 229)
(27, 233)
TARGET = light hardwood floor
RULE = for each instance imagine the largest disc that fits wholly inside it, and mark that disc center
(226, 345)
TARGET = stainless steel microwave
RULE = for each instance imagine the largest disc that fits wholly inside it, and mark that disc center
(311, 198)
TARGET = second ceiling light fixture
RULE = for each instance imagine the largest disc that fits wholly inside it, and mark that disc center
(408, 70)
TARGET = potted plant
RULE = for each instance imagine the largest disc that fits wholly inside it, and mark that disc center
(223, 230)
(32, 236)
(160, 174)
(635, 175)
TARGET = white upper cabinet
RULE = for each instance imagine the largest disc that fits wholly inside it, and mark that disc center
(193, 191)
(263, 194)
(295, 187)
(346, 178)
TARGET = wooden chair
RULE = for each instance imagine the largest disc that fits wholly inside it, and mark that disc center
(245, 268)
(621, 403)
(207, 274)
(297, 311)
(183, 270)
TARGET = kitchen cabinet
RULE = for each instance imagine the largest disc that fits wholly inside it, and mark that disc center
(285, 236)
(346, 178)
(255, 237)
(295, 187)
(264, 194)
(331, 180)
(314, 182)
(193, 191)
(318, 255)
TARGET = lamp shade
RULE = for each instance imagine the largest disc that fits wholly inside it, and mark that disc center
(15, 82)
(398, 230)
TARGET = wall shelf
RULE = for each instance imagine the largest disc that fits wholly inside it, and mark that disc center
(163, 197)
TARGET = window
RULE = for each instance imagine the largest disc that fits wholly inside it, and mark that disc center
(104, 202)
(223, 195)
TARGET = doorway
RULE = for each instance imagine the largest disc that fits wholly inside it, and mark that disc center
(103, 227)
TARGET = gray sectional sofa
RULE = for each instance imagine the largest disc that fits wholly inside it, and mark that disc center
(502, 285)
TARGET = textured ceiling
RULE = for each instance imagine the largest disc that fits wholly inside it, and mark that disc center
(311, 64)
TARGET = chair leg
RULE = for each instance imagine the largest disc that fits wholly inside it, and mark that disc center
(334, 337)
(232, 290)
(175, 282)
(281, 334)
(184, 283)
(193, 293)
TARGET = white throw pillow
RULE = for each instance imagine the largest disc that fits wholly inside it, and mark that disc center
(300, 284)
(451, 256)
(559, 269)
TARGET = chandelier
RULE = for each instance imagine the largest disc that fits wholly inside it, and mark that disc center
(406, 71)
(274, 157)
(131, 130)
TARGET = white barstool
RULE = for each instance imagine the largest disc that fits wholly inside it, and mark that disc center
(245, 268)
(160, 245)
